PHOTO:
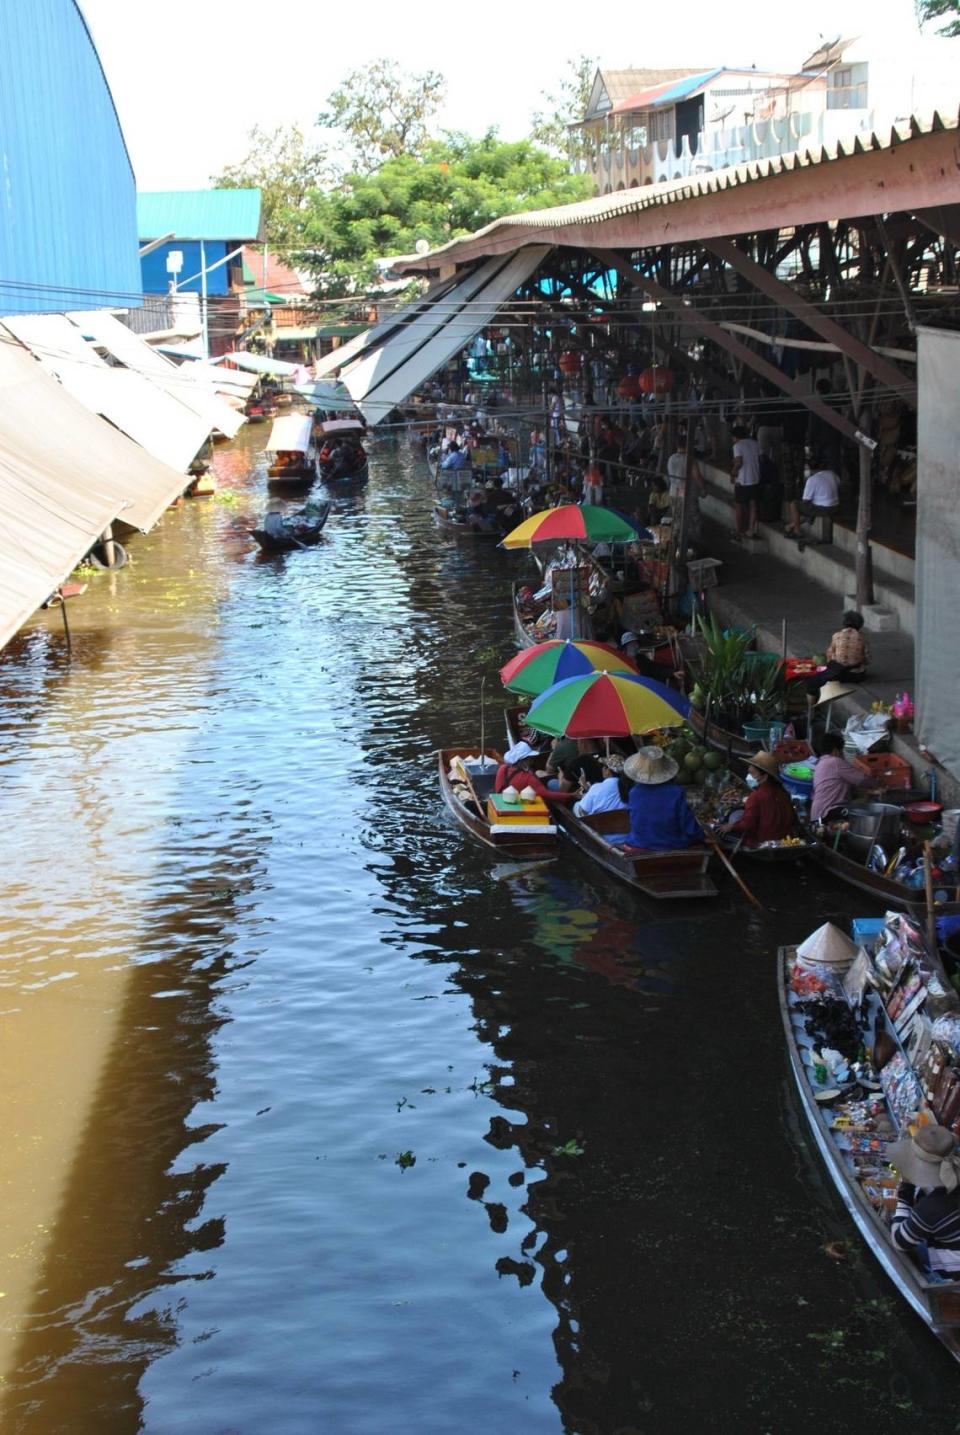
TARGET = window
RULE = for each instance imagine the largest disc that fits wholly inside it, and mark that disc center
(848, 87)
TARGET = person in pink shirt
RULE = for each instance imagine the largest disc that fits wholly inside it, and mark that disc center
(834, 780)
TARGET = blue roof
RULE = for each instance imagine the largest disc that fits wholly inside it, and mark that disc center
(200, 214)
(685, 87)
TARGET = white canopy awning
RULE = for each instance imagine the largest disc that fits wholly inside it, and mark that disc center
(226, 381)
(154, 419)
(65, 475)
(135, 353)
(385, 376)
(379, 333)
(260, 363)
(290, 433)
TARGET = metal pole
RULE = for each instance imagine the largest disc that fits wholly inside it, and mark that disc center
(66, 623)
(203, 301)
(864, 557)
(109, 552)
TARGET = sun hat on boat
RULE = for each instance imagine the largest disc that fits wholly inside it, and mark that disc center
(928, 1158)
(510, 794)
(833, 690)
(613, 762)
(527, 794)
(519, 752)
(651, 766)
(766, 762)
(828, 946)
(626, 638)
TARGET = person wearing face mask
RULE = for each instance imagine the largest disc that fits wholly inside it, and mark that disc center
(768, 814)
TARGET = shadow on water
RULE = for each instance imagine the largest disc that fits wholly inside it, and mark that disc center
(393, 1137)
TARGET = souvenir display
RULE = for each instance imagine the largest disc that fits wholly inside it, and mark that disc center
(873, 1032)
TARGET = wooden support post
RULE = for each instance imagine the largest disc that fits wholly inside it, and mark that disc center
(109, 552)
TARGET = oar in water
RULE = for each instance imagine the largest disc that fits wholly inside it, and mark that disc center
(736, 875)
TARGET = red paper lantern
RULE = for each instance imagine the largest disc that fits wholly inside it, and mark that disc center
(569, 362)
(629, 387)
(656, 380)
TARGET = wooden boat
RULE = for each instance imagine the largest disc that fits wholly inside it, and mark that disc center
(294, 530)
(341, 457)
(514, 841)
(671, 875)
(798, 852)
(936, 1302)
(451, 527)
(731, 744)
(290, 450)
(887, 890)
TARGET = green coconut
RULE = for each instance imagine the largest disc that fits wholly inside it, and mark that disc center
(713, 761)
(692, 761)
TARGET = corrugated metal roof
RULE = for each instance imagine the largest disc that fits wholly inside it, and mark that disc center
(672, 94)
(200, 214)
(566, 222)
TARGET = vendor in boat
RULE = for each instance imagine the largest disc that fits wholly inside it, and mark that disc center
(661, 818)
(928, 1199)
(848, 656)
(518, 770)
(834, 779)
(456, 457)
(600, 785)
(563, 766)
(768, 814)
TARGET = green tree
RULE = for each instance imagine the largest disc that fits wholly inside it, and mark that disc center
(550, 126)
(457, 185)
(288, 170)
(949, 10)
(382, 111)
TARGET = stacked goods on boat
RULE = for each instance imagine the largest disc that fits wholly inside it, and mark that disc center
(511, 808)
(873, 1029)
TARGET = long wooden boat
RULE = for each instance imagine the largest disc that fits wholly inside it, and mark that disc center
(536, 842)
(451, 528)
(671, 875)
(295, 530)
(887, 890)
(937, 1303)
(796, 852)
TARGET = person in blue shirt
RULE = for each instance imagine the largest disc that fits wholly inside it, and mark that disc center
(660, 815)
(456, 457)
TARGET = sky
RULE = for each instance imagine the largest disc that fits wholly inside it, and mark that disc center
(190, 78)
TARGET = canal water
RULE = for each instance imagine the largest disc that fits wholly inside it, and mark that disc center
(316, 1119)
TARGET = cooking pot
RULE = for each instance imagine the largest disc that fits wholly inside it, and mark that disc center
(920, 813)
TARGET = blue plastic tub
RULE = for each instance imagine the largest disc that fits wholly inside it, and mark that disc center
(864, 929)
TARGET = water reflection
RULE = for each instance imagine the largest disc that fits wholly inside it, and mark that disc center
(386, 1136)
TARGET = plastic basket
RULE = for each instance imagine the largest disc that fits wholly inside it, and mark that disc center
(702, 573)
(885, 769)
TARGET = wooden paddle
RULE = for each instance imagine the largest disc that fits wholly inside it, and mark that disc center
(460, 769)
(736, 875)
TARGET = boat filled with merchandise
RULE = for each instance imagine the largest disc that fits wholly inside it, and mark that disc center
(873, 1033)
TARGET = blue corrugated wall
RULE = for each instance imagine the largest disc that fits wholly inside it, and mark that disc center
(68, 226)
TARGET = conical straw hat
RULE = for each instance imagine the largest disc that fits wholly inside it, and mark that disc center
(827, 946)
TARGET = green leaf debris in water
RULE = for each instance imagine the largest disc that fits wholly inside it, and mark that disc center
(405, 1159)
(569, 1148)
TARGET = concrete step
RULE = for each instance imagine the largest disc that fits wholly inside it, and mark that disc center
(832, 565)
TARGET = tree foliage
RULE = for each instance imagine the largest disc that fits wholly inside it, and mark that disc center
(288, 170)
(947, 10)
(383, 112)
(456, 185)
(563, 108)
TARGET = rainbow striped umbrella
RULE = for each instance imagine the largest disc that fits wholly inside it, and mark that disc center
(607, 705)
(574, 521)
(536, 669)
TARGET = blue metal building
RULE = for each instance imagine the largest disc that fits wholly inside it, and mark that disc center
(208, 228)
(68, 228)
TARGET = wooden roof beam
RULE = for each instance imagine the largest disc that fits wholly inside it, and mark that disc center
(720, 337)
(882, 369)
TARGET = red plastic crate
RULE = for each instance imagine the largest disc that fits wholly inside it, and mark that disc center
(886, 769)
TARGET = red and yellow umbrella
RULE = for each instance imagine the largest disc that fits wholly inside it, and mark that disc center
(536, 669)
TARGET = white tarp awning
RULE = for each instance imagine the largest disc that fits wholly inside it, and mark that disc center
(161, 424)
(225, 381)
(135, 353)
(65, 475)
(260, 364)
(373, 338)
(386, 376)
(290, 433)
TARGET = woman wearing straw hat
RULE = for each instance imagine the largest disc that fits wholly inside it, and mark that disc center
(660, 815)
(768, 814)
(928, 1198)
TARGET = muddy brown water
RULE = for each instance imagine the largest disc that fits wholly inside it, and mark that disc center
(318, 1120)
